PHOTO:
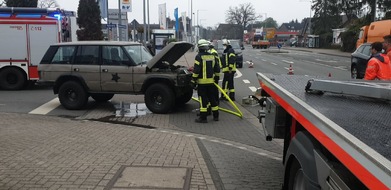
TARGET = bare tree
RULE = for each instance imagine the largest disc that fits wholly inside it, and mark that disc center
(47, 3)
(243, 14)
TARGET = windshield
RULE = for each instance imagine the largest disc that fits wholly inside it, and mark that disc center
(235, 44)
(139, 54)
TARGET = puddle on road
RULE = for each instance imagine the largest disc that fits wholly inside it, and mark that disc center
(124, 109)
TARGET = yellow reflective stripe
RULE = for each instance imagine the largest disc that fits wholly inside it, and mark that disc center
(232, 90)
(215, 108)
(196, 62)
(195, 75)
(217, 74)
(205, 81)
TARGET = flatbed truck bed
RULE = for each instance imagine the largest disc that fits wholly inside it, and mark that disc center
(354, 129)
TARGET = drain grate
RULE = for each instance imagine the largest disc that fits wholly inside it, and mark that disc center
(146, 177)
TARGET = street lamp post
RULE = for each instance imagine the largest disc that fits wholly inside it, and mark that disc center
(198, 26)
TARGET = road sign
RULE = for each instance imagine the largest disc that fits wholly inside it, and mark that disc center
(122, 26)
(111, 25)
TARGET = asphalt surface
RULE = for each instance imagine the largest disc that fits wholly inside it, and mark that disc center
(99, 149)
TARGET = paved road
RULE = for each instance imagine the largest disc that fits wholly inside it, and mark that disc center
(102, 149)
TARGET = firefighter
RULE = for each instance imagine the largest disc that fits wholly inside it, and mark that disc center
(204, 74)
(229, 69)
(213, 51)
(379, 66)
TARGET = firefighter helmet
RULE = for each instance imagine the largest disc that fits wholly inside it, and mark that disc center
(203, 44)
(226, 42)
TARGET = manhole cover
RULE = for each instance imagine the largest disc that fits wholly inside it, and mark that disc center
(130, 177)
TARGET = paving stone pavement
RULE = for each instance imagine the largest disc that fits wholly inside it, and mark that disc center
(44, 152)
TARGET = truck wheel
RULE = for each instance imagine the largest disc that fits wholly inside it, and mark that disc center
(354, 72)
(72, 95)
(296, 176)
(184, 98)
(12, 79)
(102, 97)
(159, 98)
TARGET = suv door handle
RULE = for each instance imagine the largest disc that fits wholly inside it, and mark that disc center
(76, 69)
(105, 70)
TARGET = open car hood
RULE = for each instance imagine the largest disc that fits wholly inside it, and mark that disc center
(170, 54)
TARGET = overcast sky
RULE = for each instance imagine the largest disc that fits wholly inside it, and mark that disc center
(211, 12)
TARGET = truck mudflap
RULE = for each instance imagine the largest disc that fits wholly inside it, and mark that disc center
(353, 137)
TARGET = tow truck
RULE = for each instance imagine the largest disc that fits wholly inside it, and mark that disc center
(336, 134)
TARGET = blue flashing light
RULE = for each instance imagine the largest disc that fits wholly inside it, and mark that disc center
(57, 16)
(28, 16)
(5, 15)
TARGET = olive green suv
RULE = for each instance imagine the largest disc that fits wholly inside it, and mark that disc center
(100, 69)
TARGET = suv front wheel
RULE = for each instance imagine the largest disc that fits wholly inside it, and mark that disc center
(72, 95)
(100, 97)
(159, 98)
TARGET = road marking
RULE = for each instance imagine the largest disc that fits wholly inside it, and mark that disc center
(341, 68)
(238, 74)
(273, 63)
(291, 62)
(46, 108)
(253, 88)
(246, 81)
(331, 61)
(264, 60)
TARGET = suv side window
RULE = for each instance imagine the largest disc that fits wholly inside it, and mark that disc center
(87, 55)
(367, 50)
(63, 55)
(114, 55)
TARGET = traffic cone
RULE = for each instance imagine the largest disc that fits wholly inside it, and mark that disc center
(290, 70)
(251, 64)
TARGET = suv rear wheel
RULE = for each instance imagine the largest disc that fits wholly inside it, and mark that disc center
(159, 98)
(72, 95)
(102, 97)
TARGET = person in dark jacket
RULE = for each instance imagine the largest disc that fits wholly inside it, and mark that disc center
(206, 68)
(229, 70)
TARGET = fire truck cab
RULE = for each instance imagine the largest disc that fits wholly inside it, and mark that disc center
(26, 33)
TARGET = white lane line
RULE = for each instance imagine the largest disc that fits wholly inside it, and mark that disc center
(246, 81)
(238, 74)
(253, 88)
(273, 63)
(291, 62)
(341, 68)
(46, 108)
(329, 61)
(264, 60)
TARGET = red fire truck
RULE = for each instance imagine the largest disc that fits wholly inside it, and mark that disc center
(26, 33)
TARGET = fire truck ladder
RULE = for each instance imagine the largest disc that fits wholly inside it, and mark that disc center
(372, 89)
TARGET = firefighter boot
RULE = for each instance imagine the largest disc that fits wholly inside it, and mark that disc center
(215, 115)
(202, 118)
(209, 110)
(232, 96)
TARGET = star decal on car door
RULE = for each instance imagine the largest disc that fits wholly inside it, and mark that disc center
(115, 77)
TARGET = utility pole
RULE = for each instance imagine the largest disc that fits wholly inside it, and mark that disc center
(145, 26)
(148, 34)
(119, 21)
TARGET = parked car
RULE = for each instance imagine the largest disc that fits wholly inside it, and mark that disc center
(359, 61)
(100, 69)
(236, 45)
